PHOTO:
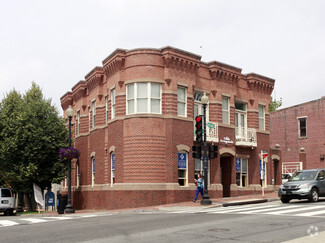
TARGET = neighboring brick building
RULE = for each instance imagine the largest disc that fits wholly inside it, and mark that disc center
(134, 125)
(299, 131)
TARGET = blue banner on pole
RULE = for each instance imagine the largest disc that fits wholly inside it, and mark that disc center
(113, 161)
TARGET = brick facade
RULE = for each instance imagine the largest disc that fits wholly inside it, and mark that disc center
(146, 144)
(284, 128)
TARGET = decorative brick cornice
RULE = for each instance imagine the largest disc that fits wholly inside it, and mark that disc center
(114, 62)
(181, 60)
(94, 78)
(224, 72)
(260, 83)
(66, 100)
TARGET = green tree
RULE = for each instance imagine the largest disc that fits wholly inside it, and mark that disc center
(32, 134)
(275, 104)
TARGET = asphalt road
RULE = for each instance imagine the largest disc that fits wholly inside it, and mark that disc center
(266, 222)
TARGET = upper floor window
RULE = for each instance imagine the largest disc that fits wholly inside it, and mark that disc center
(225, 110)
(94, 113)
(261, 117)
(106, 110)
(89, 117)
(143, 98)
(78, 122)
(181, 101)
(302, 126)
(113, 103)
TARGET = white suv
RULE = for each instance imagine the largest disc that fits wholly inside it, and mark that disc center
(7, 201)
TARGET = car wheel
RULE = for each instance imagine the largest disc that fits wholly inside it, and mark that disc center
(285, 200)
(11, 212)
(314, 195)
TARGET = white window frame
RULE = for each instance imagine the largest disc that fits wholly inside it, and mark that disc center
(89, 117)
(241, 116)
(113, 169)
(78, 175)
(182, 169)
(106, 110)
(183, 102)
(93, 168)
(261, 117)
(225, 112)
(299, 126)
(78, 121)
(113, 96)
(241, 174)
(136, 98)
(94, 113)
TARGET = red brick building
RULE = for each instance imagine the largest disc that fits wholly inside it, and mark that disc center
(299, 133)
(134, 125)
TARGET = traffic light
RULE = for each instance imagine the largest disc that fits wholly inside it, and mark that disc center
(198, 126)
(213, 151)
(196, 152)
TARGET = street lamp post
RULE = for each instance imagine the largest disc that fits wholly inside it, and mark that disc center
(206, 199)
(68, 208)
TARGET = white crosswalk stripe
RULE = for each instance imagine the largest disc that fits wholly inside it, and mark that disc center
(44, 219)
(270, 209)
(4, 223)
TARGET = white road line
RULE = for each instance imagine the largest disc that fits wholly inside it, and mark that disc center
(267, 209)
(311, 213)
(5, 223)
(295, 210)
(35, 220)
(87, 215)
(58, 218)
(243, 209)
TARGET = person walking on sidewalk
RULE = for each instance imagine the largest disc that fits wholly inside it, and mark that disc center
(199, 188)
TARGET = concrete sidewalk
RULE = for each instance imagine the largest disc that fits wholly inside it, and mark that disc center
(216, 202)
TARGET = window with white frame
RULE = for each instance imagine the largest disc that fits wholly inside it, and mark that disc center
(261, 117)
(113, 103)
(89, 117)
(143, 98)
(197, 104)
(78, 122)
(112, 169)
(78, 174)
(182, 168)
(181, 101)
(94, 113)
(225, 110)
(302, 127)
(106, 110)
(241, 120)
(242, 172)
(93, 163)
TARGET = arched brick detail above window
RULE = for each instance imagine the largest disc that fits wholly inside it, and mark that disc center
(227, 151)
(182, 147)
(111, 149)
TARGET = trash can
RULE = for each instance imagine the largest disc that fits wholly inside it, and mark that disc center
(62, 202)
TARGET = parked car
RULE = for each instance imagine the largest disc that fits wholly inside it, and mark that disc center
(305, 184)
(7, 201)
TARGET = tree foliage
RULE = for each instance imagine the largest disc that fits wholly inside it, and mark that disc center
(31, 135)
(275, 104)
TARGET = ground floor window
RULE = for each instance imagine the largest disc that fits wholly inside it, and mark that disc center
(242, 172)
(112, 169)
(182, 169)
(93, 171)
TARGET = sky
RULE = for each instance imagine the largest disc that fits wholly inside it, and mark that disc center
(57, 43)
